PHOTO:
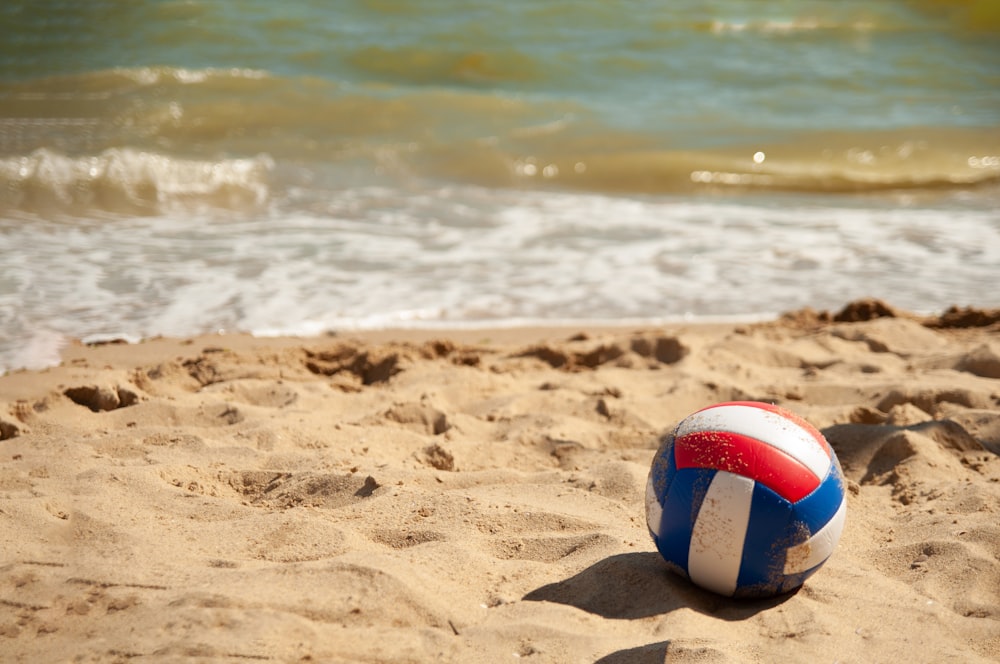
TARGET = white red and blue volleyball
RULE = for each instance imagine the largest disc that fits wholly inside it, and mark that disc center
(745, 499)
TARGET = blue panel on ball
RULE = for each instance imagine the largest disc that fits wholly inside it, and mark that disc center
(770, 532)
(664, 468)
(680, 508)
(816, 509)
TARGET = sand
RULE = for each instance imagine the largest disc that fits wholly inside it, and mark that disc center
(477, 496)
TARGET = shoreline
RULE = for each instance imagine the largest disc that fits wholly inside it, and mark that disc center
(60, 347)
(514, 330)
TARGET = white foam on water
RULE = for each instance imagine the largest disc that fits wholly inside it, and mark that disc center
(464, 256)
(39, 350)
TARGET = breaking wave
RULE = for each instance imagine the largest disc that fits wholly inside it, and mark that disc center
(127, 181)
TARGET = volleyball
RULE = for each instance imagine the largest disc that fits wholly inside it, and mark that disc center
(745, 499)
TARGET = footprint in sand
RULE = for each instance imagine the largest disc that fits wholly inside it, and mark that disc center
(549, 549)
(405, 538)
(264, 393)
(281, 490)
(102, 398)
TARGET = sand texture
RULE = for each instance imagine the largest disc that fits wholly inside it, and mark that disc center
(478, 496)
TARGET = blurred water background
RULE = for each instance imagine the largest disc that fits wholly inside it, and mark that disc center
(176, 167)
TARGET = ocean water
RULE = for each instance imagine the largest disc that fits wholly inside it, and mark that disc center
(180, 167)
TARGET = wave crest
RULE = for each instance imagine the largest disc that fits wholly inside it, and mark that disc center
(127, 181)
(101, 83)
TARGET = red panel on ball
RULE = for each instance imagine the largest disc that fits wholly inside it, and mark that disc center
(748, 457)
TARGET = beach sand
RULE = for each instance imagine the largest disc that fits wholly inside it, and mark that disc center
(477, 496)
